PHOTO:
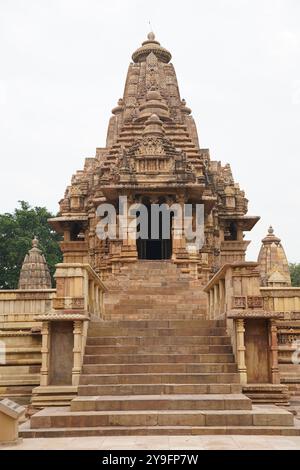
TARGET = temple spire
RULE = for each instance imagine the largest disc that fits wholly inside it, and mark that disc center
(34, 272)
(274, 268)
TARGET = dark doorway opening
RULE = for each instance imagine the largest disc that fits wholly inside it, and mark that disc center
(158, 248)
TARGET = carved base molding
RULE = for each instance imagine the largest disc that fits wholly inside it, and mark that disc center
(254, 314)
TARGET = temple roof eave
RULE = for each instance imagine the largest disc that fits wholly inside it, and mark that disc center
(246, 222)
(61, 222)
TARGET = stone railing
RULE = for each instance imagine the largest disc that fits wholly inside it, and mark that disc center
(236, 286)
(79, 299)
(235, 295)
(286, 301)
(264, 325)
(20, 340)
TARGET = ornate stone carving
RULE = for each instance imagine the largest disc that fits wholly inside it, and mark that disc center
(254, 301)
(150, 146)
(254, 314)
(239, 302)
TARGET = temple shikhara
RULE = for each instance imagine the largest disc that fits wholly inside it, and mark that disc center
(154, 335)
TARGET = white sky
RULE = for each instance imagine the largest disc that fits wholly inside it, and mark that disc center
(63, 65)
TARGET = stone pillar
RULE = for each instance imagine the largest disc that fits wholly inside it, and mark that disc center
(91, 296)
(45, 354)
(131, 231)
(77, 352)
(178, 239)
(275, 378)
(240, 349)
(128, 247)
(211, 303)
(215, 300)
(222, 296)
(97, 301)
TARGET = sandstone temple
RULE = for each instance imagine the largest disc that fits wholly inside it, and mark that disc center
(153, 335)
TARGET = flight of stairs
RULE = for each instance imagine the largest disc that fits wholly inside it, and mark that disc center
(157, 366)
(154, 290)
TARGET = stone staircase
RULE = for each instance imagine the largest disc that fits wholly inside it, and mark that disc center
(155, 365)
(154, 290)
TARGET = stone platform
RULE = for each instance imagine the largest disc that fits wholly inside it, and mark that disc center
(173, 376)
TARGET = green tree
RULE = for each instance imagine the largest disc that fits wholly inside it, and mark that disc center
(16, 233)
(295, 274)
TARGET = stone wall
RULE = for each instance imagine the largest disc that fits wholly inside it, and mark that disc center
(20, 336)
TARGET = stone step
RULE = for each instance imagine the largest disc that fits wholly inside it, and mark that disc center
(157, 340)
(148, 265)
(165, 278)
(186, 331)
(177, 290)
(27, 432)
(150, 272)
(91, 376)
(182, 304)
(160, 349)
(152, 315)
(214, 360)
(134, 285)
(157, 389)
(154, 275)
(141, 312)
(153, 290)
(138, 281)
(64, 418)
(161, 402)
(156, 324)
(144, 272)
(185, 368)
(154, 304)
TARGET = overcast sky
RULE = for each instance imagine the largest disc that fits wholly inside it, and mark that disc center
(63, 65)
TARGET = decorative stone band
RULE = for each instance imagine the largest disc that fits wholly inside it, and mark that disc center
(29, 294)
(73, 303)
(63, 315)
(250, 301)
(280, 292)
(255, 301)
(254, 314)
(288, 336)
(12, 334)
(290, 324)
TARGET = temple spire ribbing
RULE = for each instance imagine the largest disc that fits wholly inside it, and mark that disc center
(34, 272)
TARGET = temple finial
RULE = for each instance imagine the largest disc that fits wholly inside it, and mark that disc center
(151, 36)
(35, 242)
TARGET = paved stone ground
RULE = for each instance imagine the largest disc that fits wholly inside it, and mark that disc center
(161, 443)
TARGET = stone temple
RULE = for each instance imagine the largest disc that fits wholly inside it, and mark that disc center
(154, 335)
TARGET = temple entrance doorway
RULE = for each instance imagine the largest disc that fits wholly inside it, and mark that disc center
(160, 247)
